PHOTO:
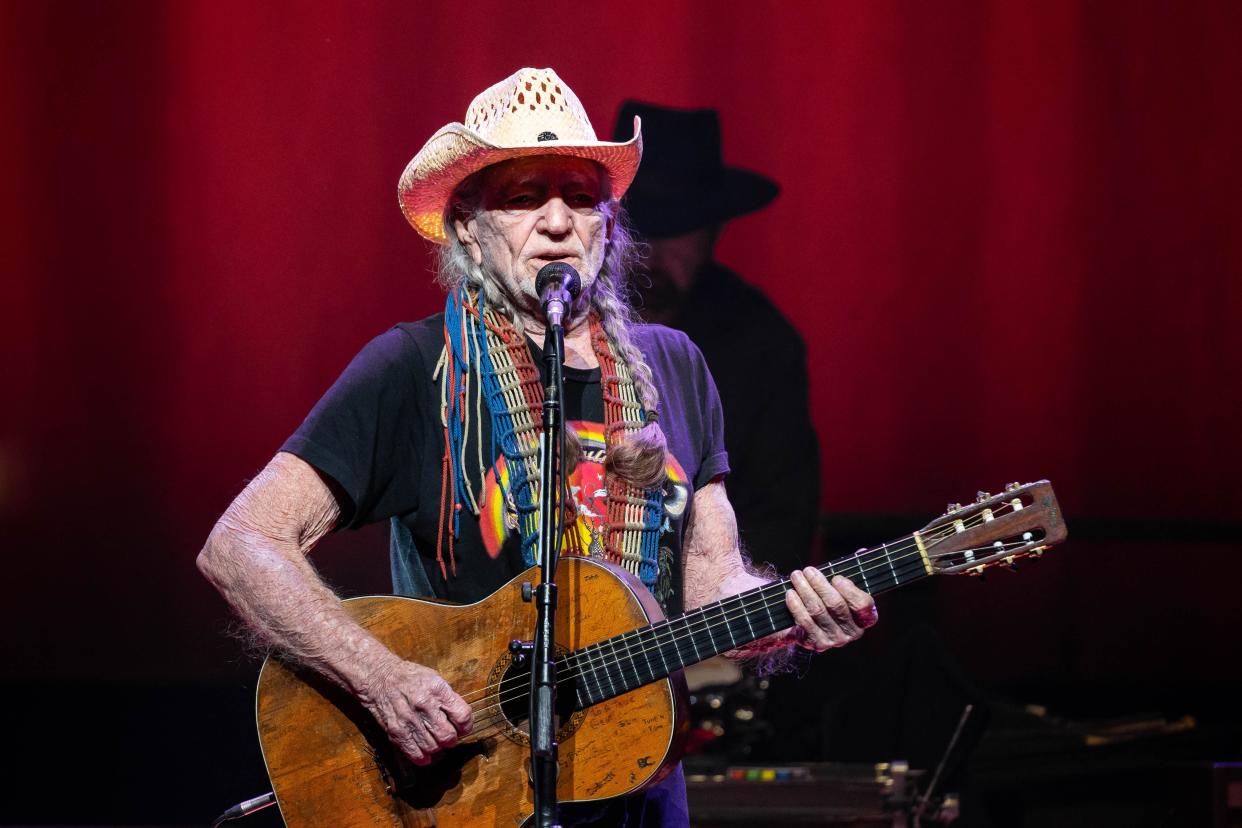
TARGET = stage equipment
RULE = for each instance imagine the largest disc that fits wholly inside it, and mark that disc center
(557, 285)
(810, 794)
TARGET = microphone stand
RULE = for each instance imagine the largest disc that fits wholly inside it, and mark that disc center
(543, 747)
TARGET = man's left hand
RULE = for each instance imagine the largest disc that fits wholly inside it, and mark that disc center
(828, 613)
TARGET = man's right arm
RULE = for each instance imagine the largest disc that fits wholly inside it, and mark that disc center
(256, 557)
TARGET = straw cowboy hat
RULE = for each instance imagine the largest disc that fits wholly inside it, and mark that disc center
(531, 112)
(684, 185)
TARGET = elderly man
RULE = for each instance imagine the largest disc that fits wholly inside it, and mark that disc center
(432, 427)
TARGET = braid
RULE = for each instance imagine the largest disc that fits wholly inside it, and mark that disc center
(616, 317)
(639, 457)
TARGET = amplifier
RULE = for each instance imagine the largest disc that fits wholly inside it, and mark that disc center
(804, 794)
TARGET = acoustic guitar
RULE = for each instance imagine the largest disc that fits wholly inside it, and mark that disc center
(620, 691)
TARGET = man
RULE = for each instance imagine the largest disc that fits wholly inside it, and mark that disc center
(679, 202)
(432, 427)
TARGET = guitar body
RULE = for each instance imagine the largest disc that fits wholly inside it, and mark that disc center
(331, 764)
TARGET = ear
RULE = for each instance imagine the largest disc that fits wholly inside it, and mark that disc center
(466, 235)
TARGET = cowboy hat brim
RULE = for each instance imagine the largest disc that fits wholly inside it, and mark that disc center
(456, 152)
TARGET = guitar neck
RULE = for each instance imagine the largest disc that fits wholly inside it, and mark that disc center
(616, 665)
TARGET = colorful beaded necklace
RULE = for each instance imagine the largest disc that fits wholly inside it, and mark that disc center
(481, 347)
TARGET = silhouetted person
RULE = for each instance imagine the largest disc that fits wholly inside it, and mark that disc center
(679, 203)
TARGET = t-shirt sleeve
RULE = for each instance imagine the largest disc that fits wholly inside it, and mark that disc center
(713, 459)
(363, 434)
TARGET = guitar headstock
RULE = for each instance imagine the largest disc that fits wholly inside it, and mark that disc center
(1021, 522)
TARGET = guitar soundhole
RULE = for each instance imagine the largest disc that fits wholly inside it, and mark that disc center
(511, 695)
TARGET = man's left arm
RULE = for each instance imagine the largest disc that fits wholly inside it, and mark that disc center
(827, 613)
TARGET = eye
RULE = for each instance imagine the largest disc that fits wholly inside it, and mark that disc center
(520, 200)
(582, 199)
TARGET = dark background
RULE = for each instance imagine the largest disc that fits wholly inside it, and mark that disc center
(1010, 232)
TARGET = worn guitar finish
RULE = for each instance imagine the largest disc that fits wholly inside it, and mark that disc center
(332, 765)
(620, 691)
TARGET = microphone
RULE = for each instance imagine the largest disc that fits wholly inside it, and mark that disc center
(558, 286)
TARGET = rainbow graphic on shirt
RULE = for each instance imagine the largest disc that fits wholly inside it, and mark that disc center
(498, 516)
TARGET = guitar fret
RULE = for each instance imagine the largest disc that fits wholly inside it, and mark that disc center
(660, 649)
(862, 571)
(634, 647)
(564, 671)
(763, 624)
(606, 667)
(722, 612)
(889, 558)
(620, 661)
(767, 606)
(730, 615)
(728, 624)
(594, 674)
(690, 634)
(593, 668)
(645, 650)
(687, 636)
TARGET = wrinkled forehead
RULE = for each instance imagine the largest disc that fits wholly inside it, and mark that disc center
(545, 170)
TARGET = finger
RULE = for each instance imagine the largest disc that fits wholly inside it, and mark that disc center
(404, 737)
(840, 622)
(862, 606)
(816, 638)
(438, 726)
(415, 754)
(452, 706)
(412, 731)
(459, 713)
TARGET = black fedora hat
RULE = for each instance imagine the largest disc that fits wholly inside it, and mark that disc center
(682, 184)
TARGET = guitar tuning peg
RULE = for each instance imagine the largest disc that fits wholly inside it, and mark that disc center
(981, 496)
(1014, 486)
(952, 507)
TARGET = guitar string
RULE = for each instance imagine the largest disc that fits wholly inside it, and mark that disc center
(496, 717)
(500, 718)
(664, 631)
(725, 616)
(765, 593)
(933, 537)
(497, 722)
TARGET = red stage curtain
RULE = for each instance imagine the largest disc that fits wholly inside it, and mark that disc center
(1010, 233)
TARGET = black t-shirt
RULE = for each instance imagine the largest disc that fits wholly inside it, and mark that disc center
(377, 435)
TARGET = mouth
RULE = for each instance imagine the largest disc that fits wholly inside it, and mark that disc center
(547, 258)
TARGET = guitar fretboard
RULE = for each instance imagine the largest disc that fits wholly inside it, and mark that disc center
(622, 663)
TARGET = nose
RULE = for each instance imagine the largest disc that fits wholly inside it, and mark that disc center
(557, 218)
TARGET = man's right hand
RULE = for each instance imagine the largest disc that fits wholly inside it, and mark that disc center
(417, 708)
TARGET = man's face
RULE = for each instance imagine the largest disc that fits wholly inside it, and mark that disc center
(534, 211)
(672, 266)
